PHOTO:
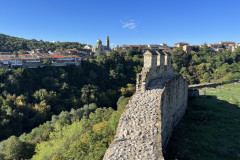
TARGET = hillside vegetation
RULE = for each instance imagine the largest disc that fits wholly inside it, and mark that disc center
(207, 66)
(29, 97)
(85, 133)
(210, 128)
(72, 112)
(11, 44)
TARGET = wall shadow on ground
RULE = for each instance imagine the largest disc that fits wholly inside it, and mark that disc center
(210, 130)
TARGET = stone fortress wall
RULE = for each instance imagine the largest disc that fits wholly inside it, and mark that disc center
(150, 116)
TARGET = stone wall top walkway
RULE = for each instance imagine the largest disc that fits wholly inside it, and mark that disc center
(139, 130)
(203, 85)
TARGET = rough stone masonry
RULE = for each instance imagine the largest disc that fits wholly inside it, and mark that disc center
(150, 116)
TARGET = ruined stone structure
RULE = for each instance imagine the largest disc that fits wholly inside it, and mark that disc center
(159, 103)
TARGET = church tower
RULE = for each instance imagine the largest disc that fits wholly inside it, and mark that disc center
(107, 42)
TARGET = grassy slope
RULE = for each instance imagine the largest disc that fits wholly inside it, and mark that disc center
(210, 130)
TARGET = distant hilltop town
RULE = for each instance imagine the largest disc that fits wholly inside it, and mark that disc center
(218, 47)
(39, 57)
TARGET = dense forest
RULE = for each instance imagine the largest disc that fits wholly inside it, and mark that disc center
(29, 97)
(72, 112)
(207, 66)
(84, 133)
(11, 44)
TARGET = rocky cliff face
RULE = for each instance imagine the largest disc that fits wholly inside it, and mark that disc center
(150, 117)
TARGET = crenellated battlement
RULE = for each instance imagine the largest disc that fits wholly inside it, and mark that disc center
(156, 59)
(156, 65)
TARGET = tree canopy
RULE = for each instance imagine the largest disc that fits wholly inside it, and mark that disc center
(18, 45)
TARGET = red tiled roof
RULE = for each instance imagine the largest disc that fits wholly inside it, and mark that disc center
(135, 46)
(192, 45)
(43, 54)
(28, 58)
(20, 58)
(6, 53)
(214, 44)
(26, 55)
(72, 56)
(59, 56)
(54, 56)
(4, 59)
(74, 49)
(227, 42)
(181, 43)
(153, 45)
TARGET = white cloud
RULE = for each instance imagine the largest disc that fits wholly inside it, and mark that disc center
(131, 24)
(113, 45)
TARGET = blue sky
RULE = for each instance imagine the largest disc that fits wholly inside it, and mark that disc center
(125, 21)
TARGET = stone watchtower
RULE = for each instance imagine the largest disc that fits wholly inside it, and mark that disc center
(156, 64)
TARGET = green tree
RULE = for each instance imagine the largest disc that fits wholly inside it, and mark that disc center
(15, 53)
(14, 148)
(20, 52)
(89, 94)
(129, 90)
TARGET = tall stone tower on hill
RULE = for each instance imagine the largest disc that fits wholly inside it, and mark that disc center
(107, 42)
